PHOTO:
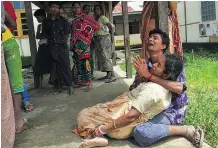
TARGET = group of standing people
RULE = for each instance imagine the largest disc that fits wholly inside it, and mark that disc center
(86, 34)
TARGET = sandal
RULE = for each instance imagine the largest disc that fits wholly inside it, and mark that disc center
(197, 138)
(198, 129)
(28, 107)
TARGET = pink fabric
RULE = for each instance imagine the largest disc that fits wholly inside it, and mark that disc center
(146, 15)
(176, 36)
(7, 109)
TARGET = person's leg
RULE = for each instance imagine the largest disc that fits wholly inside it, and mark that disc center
(87, 75)
(14, 67)
(111, 78)
(26, 99)
(160, 127)
(106, 55)
(20, 123)
(150, 132)
(7, 109)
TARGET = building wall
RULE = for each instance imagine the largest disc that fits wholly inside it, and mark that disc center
(193, 19)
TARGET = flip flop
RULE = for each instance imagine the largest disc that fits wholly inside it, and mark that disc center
(28, 107)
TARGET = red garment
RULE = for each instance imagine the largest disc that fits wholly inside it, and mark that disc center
(83, 28)
(10, 9)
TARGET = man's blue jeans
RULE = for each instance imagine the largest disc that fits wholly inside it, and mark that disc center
(150, 132)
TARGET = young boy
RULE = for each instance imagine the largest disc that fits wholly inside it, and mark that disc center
(43, 58)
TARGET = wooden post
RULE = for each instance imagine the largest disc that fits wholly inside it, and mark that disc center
(114, 57)
(161, 21)
(32, 39)
(126, 39)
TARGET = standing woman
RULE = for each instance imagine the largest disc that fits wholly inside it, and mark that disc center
(83, 27)
(103, 44)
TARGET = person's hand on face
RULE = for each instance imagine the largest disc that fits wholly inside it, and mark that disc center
(141, 67)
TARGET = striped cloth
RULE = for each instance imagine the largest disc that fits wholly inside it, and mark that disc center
(7, 109)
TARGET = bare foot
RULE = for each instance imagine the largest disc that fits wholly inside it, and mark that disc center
(195, 135)
(23, 128)
(89, 88)
(71, 90)
(97, 141)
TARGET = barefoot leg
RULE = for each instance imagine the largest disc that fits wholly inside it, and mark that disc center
(97, 141)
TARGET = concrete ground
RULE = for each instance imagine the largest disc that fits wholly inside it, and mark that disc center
(54, 117)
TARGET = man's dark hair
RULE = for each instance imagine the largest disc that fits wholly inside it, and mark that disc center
(76, 3)
(40, 12)
(173, 66)
(164, 36)
(84, 7)
(54, 3)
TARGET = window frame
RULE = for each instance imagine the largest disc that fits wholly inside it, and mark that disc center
(19, 24)
(204, 9)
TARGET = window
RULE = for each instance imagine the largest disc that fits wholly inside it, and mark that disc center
(22, 28)
(208, 10)
(134, 27)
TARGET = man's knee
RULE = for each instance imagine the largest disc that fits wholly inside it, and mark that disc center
(142, 134)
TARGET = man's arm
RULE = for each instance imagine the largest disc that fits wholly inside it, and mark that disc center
(142, 69)
(38, 32)
(110, 27)
(173, 86)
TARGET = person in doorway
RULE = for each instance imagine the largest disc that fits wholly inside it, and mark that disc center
(83, 27)
(56, 30)
(103, 41)
(43, 58)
